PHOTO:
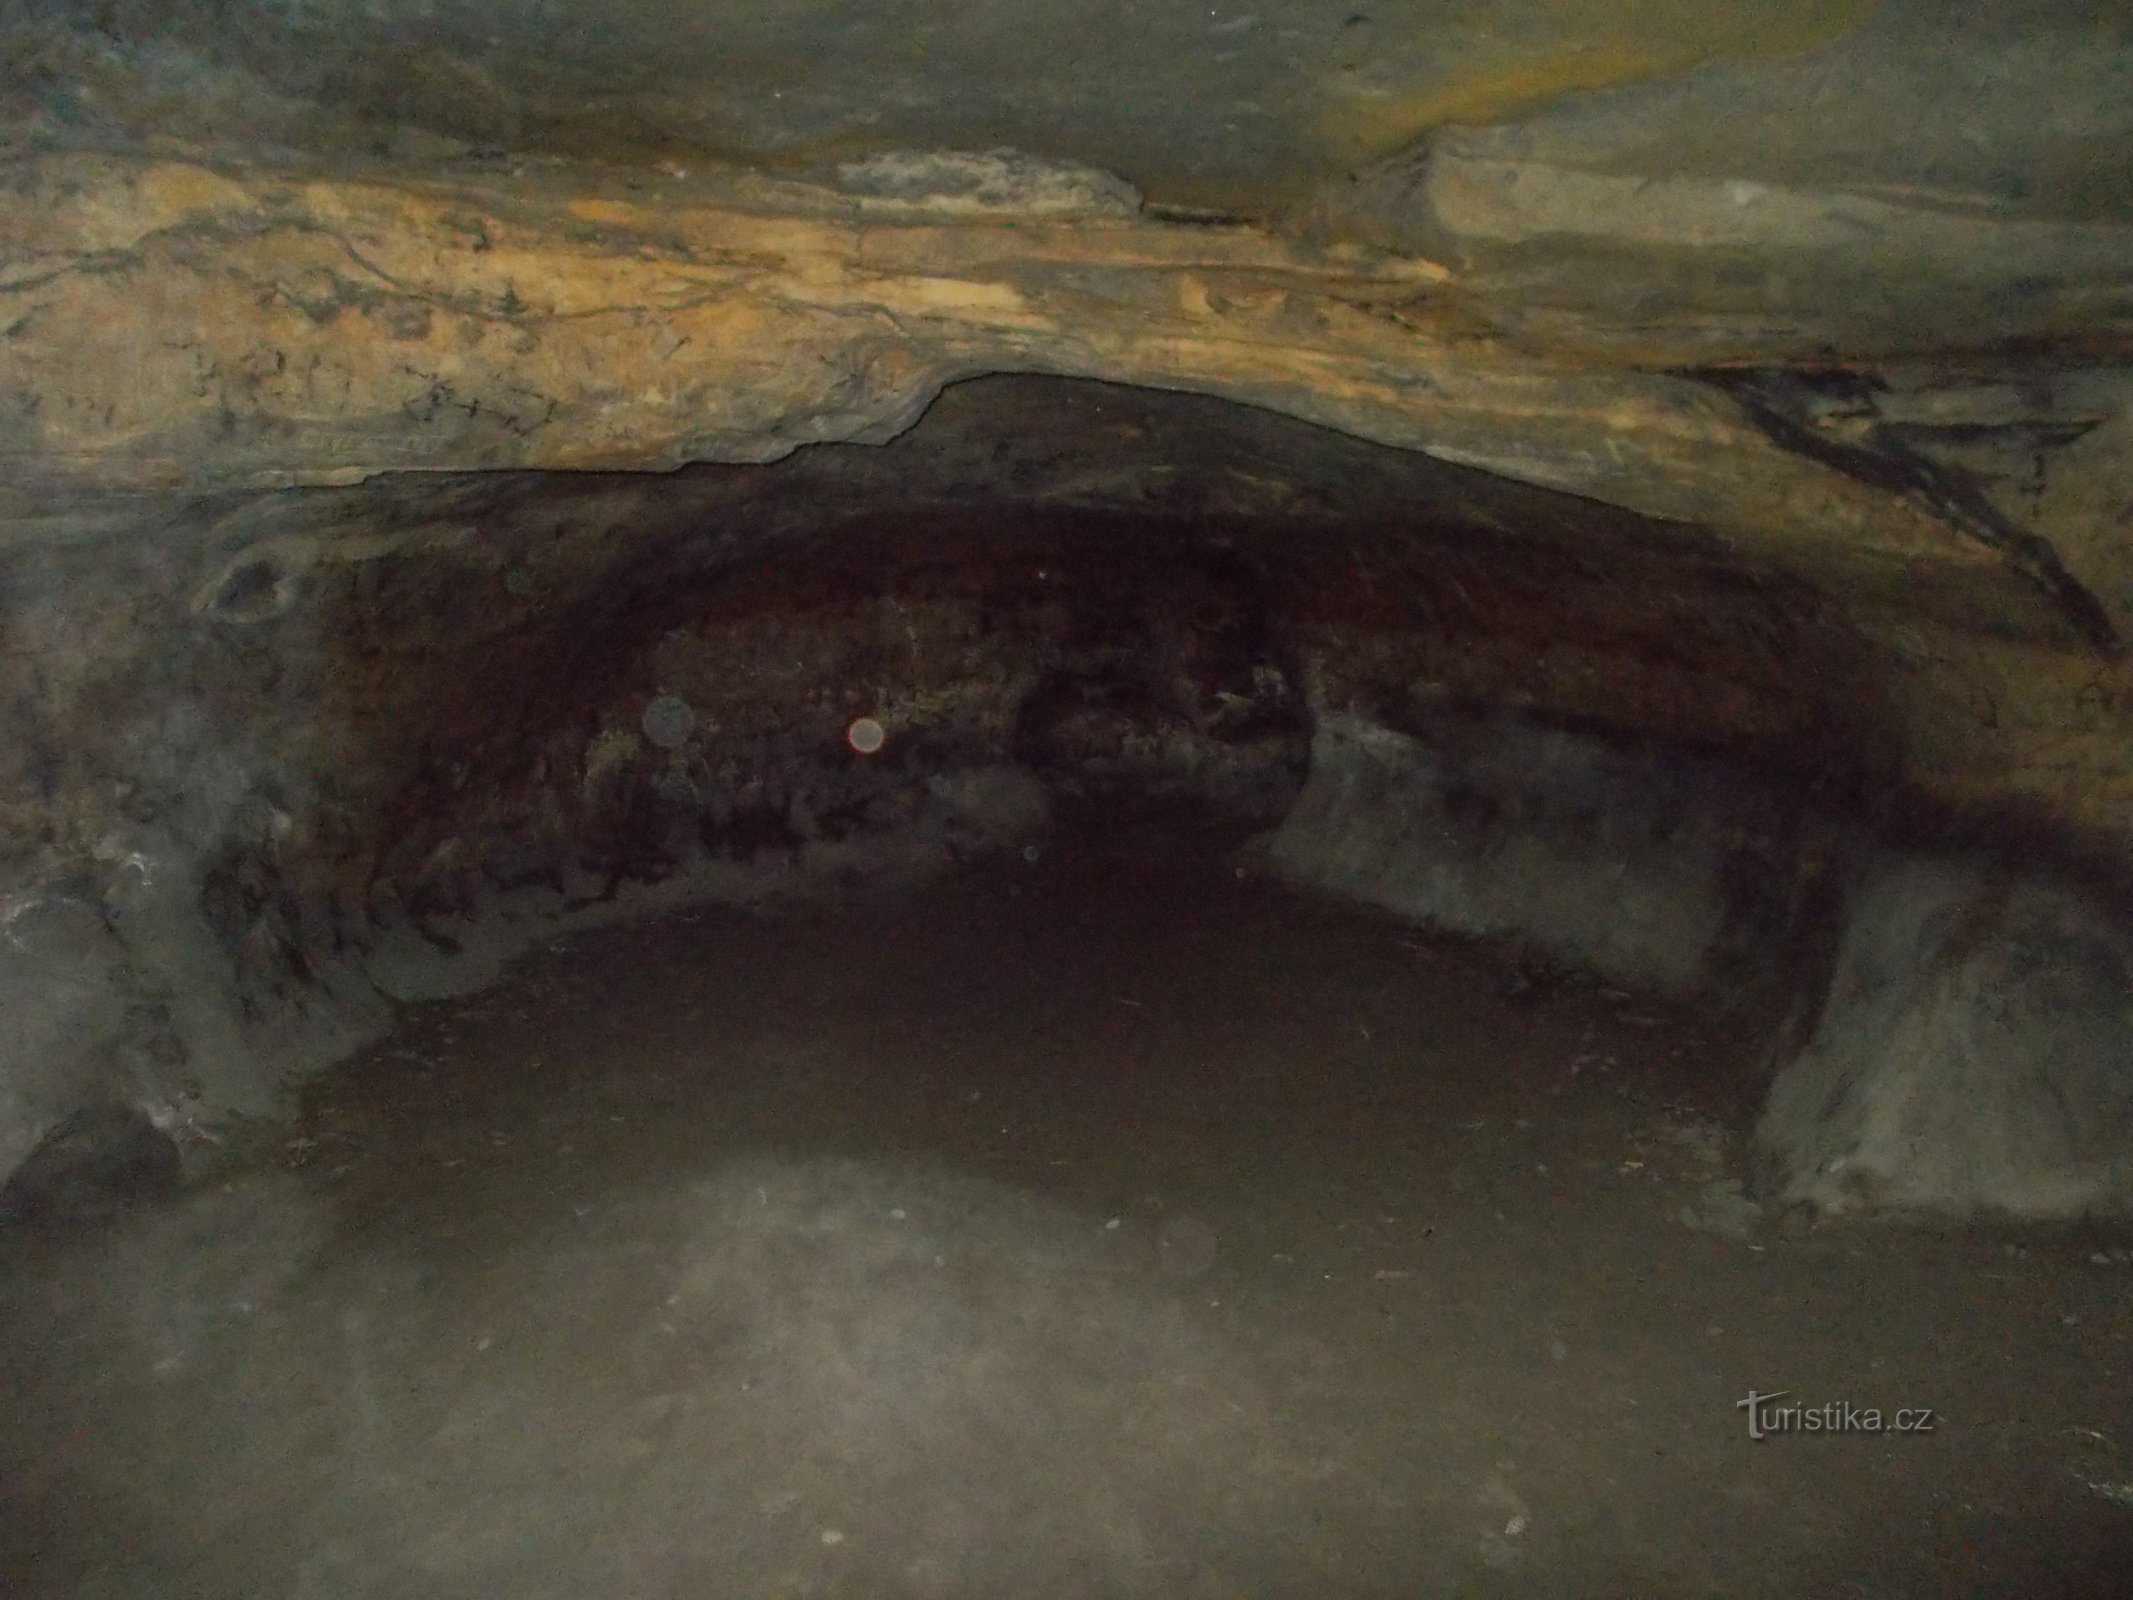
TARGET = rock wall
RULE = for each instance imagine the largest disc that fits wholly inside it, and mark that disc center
(1670, 874)
(268, 781)
(1950, 1036)
(1974, 1053)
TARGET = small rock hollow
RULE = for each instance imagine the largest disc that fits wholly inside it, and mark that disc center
(1116, 995)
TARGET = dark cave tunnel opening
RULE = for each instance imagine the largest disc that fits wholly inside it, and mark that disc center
(1304, 926)
(385, 707)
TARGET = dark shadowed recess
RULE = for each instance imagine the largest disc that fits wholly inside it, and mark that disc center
(414, 664)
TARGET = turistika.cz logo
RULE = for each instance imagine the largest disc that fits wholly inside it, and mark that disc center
(1767, 1418)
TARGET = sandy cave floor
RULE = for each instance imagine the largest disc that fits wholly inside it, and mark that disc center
(1105, 1227)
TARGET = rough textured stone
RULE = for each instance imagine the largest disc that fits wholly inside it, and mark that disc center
(1975, 1054)
(1658, 875)
(99, 1160)
(174, 324)
(1204, 106)
(65, 1021)
(1893, 189)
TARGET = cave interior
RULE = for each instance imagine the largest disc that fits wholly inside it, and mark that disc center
(1072, 800)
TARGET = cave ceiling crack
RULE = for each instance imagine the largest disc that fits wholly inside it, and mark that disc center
(1783, 402)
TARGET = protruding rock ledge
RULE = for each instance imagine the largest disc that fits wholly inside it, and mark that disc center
(172, 325)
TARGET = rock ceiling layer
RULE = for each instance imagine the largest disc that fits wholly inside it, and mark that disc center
(1849, 287)
(1227, 104)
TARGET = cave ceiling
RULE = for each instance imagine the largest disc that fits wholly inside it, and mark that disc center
(1842, 291)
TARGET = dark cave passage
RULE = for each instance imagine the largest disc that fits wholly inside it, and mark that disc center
(388, 707)
(1118, 995)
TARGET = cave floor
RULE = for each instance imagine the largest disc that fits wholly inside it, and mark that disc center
(1112, 1226)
